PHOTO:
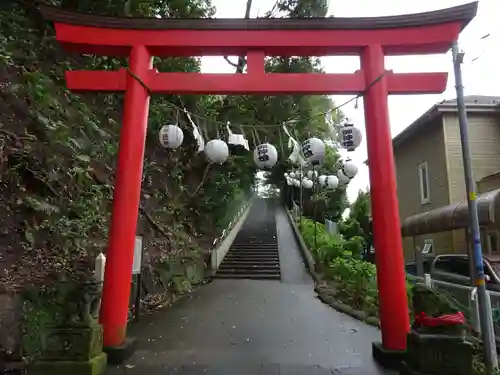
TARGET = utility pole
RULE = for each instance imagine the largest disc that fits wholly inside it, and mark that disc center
(301, 199)
(314, 207)
(485, 315)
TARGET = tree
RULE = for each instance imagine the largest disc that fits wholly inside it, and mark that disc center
(359, 222)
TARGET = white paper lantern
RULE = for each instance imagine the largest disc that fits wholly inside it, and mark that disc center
(312, 174)
(171, 136)
(350, 169)
(217, 151)
(322, 180)
(265, 156)
(343, 179)
(308, 184)
(313, 150)
(332, 182)
(350, 137)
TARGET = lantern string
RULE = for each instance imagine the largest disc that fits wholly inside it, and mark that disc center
(256, 136)
(253, 137)
(202, 181)
(289, 121)
(281, 141)
(205, 131)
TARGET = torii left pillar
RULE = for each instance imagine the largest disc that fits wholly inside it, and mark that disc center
(126, 200)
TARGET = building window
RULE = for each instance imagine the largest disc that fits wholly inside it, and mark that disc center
(428, 246)
(492, 242)
(423, 174)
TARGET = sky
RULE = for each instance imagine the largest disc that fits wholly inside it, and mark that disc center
(480, 69)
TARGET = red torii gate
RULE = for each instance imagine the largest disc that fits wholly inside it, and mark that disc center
(370, 38)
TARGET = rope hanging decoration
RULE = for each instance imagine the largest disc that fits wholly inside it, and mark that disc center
(295, 157)
(205, 131)
(196, 132)
(237, 142)
(281, 142)
(255, 143)
(217, 151)
(288, 121)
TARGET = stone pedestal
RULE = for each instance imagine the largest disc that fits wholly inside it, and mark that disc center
(437, 354)
(72, 350)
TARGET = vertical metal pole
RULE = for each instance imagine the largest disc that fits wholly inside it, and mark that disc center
(137, 310)
(301, 200)
(484, 312)
(419, 262)
(314, 206)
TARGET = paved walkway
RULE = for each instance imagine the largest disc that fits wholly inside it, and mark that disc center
(246, 327)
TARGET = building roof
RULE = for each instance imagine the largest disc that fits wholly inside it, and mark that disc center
(474, 103)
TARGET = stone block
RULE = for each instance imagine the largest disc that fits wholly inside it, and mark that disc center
(72, 343)
(95, 366)
(438, 354)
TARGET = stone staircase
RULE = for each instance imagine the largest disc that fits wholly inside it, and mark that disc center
(254, 251)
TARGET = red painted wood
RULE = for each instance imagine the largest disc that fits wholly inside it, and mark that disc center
(391, 278)
(269, 84)
(411, 40)
(120, 251)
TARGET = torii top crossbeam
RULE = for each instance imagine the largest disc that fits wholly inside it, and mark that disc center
(422, 33)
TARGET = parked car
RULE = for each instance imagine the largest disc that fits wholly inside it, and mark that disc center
(411, 268)
(455, 269)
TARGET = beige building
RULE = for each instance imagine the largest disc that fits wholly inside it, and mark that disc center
(430, 177)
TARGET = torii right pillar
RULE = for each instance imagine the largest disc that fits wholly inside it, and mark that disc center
(389, 257)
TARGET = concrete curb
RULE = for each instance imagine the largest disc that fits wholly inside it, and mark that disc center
(348, 310)
(322, 296)
(306, 254)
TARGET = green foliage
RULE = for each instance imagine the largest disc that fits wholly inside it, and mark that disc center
(355, 283)
(357, 226)
(326, 247)
(353, 280)
(354, 246)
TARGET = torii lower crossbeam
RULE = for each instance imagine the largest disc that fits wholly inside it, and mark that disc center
(255, 83)
(370, 38)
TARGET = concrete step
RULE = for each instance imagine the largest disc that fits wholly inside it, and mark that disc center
(254, 251)
(254, 267)
(252, 276)
(252, 257)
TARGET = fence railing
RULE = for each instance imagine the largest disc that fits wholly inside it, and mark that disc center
(465, 298)
(230, 226)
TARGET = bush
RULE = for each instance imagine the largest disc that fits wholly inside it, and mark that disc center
(351, 280)
(355, 283)
(355, 246)
(327, 246)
